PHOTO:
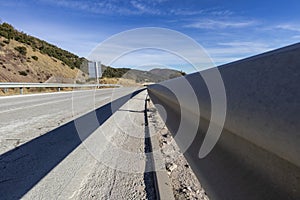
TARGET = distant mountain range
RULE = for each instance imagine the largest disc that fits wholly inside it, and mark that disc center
(155, 75)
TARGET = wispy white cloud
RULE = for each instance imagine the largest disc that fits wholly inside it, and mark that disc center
(256, 46)
(297, 37)
(204, 12)
(289, 27)
(220, 24)
(103, 7)
(141, 7)
(186, 12)
(222, 13)
(235, 50)
(135, 7)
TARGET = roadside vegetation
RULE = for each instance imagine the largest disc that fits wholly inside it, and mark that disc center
(21, 50)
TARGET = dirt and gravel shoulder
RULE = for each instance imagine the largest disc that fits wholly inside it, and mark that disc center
(184, 183)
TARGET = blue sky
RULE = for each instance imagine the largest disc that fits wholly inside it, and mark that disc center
(228, 30)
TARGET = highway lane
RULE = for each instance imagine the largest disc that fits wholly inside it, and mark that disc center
(23, 118)
(62, 165)
(22, 101)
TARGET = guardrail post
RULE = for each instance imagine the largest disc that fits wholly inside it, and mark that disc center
(21, 90)
(5, 90)
(58, 89)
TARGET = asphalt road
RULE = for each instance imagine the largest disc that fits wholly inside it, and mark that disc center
(25, 117)
(48, 158)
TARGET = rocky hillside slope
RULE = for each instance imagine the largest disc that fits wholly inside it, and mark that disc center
(20, 63)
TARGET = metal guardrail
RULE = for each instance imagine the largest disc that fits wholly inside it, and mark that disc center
(52, 85)
(258, 153)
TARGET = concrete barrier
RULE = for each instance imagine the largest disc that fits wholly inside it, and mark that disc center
(258, 153)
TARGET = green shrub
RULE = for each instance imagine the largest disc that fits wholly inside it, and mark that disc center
(34, 57)
(21, 50)
(22, 73)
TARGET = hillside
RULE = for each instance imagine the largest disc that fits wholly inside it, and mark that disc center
(20, 63)
(10, 33)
